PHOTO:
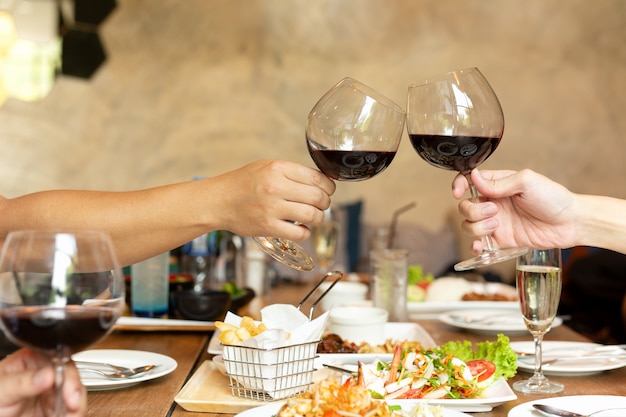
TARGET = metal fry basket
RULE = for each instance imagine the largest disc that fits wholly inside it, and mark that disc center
(270, 374)
(277, 373)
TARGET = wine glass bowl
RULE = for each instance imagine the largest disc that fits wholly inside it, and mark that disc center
(60, 292)
(455, 122)
(538, 283)
(352, 134)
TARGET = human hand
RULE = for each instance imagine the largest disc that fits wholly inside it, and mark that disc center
(265, 198)
(518, 209)
(27, 385)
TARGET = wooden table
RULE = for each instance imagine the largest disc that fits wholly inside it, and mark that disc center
(156, 398)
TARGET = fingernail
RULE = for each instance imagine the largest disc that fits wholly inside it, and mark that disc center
(74, 400)
(489, 210)
(39, 378)
(490, 224)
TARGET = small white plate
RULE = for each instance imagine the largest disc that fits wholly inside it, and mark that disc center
(583, 404)
(129, 358)
(272, 409)
(431, 309)
(490, 322)
(556, 349)
(397, 331)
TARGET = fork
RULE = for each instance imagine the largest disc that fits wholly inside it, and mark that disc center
(128, 373)
(104, 364)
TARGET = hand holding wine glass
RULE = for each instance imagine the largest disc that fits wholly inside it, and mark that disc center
(352, 133)
(60, 292)
(538, 281)
(455, 122)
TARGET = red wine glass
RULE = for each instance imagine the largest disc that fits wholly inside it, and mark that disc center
(455, 122)
(353, 134)
(60, 292)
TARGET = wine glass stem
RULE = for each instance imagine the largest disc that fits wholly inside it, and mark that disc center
(489, 245)
(59, 362)
(538, 374)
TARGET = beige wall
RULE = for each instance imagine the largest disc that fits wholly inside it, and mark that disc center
(198, 87)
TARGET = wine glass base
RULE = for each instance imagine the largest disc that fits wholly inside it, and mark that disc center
(538, 387)
(286, 252)
(490, 258)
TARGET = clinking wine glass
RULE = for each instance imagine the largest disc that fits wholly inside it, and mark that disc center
(352, 133)
(60, 292)
(455, 122)
(538, 281)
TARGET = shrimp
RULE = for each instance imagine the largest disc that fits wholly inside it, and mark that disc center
(395, 365)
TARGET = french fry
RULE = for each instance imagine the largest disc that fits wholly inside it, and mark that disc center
(233, 335)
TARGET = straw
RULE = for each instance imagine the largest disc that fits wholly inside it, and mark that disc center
(394, 222)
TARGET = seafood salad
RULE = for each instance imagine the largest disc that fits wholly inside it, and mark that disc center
(454, 370)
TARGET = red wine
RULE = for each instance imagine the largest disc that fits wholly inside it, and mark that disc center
(351, 165)
(456, 153)
(49, 328)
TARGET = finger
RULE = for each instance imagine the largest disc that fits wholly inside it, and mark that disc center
(312, 177)
(74, 393)
(20, 386)
(459, 186)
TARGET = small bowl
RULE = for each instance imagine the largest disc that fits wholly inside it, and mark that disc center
(200, 305)
(242, 299)
(359, 324)
(342, 294)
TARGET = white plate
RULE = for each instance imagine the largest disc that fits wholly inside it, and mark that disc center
(509, 323)
(129, 358)
(272, 409)
(496, 394)
(396, 331)
(431, 309)
(556, 349)
(152, 324)
(583, 404)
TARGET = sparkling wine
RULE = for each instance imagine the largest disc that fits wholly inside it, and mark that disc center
(325, 237)
(539, 289)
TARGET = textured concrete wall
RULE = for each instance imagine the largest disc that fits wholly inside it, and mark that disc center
(198, 87)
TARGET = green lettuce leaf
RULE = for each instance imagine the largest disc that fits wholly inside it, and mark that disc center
(499, 352)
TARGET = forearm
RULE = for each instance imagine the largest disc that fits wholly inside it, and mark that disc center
(141, 223)
(601, 222)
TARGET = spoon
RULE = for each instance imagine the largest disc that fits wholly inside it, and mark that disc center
(564, 413)
(125, 374)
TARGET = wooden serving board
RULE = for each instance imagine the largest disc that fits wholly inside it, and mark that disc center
(207, 391)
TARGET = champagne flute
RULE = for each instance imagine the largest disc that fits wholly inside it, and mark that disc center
(538, 281)
(352, 133)
(455, 122)
(325, 239)
(60, 292)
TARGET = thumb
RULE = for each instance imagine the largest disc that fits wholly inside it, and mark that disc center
(24, 385)
(496, 186)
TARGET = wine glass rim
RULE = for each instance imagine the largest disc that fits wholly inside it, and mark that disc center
(370, 92)
(436, 78)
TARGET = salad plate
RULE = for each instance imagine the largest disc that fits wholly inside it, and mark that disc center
(272, 409)
(494, 395)
(490, 322)
(583, 404)
(584, 363)
(129, 358)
